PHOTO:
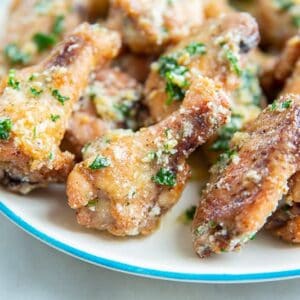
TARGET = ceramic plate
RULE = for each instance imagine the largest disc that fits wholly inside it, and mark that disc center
(167, 254)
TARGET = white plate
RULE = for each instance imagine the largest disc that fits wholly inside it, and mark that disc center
(167, 254)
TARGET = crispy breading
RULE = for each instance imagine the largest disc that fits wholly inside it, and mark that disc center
(147, 26)
(128, 181)
(110, 101)
(35, 26)
(217, 51)
(250, 181)
(36, 105)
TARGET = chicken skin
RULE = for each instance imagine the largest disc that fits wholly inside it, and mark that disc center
(249, 180)
(37, 102)
(34, 27)
(127, 180)
(285, 223)
(110, 101)
(217, 51)
(149, 26)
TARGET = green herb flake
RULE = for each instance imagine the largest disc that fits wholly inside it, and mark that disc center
(44, 41)
(175, 76)
(100, 162)
(35, 92)
(124, 108)
(234, 62)
(5, 128)
(58, 26)
(226, 133)
(54, 118)
(92, 203)
(284, 5)
(12, 82)
(196, 48)
(62, 99)
(190, 212)
(15, 56)
(165, 177)
(212, 224)
(296, 21)
(280, 106)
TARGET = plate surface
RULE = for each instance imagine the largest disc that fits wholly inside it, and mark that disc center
(167, 254)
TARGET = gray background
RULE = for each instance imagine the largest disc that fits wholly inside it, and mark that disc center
(31, 270)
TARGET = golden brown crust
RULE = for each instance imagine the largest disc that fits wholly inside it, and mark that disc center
(29, 18)
(147, 171)
(246, 190)
(38, 102)
(148, 26)
(225, 39)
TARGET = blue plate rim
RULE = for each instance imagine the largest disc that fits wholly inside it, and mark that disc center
(144, 272)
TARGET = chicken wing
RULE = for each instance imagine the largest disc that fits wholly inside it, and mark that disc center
(110, 101)
(217, 51)
(127, 180)
(37, 102)
(148, 26)
(249, 180)
(285, 223)
(35, 26)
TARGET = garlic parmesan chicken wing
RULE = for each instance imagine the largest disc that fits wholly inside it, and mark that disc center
(36, 104)
(217, 51)
(127, 180)
(285, 223)
(249, 180)
(35, 26)
(147, 26)
(110, 101)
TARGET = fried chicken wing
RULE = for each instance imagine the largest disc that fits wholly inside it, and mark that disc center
(127, 180)
(148, 26)
(110, 101)
(35, 26)
(285, 223)
(217, 51)
(250, 180)
(37, 102)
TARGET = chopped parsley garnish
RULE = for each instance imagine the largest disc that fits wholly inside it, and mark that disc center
(250, 86)
(226, 133)
(280, 106)
(35, 92)
(44, 41)
(124, 108)
(62, 99)
(15, 55)
(32, 77)
(226, 157)
(54, 118)
(196, 48)
(51, 156)
(12, 82)
(5, 128)
(100, 162)
(92, 203)
(212, 224)
(233, 62)
(175, 76)
(296, 21)
(58, 26)
(284, 5)
(190, 212)
(165, 177)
